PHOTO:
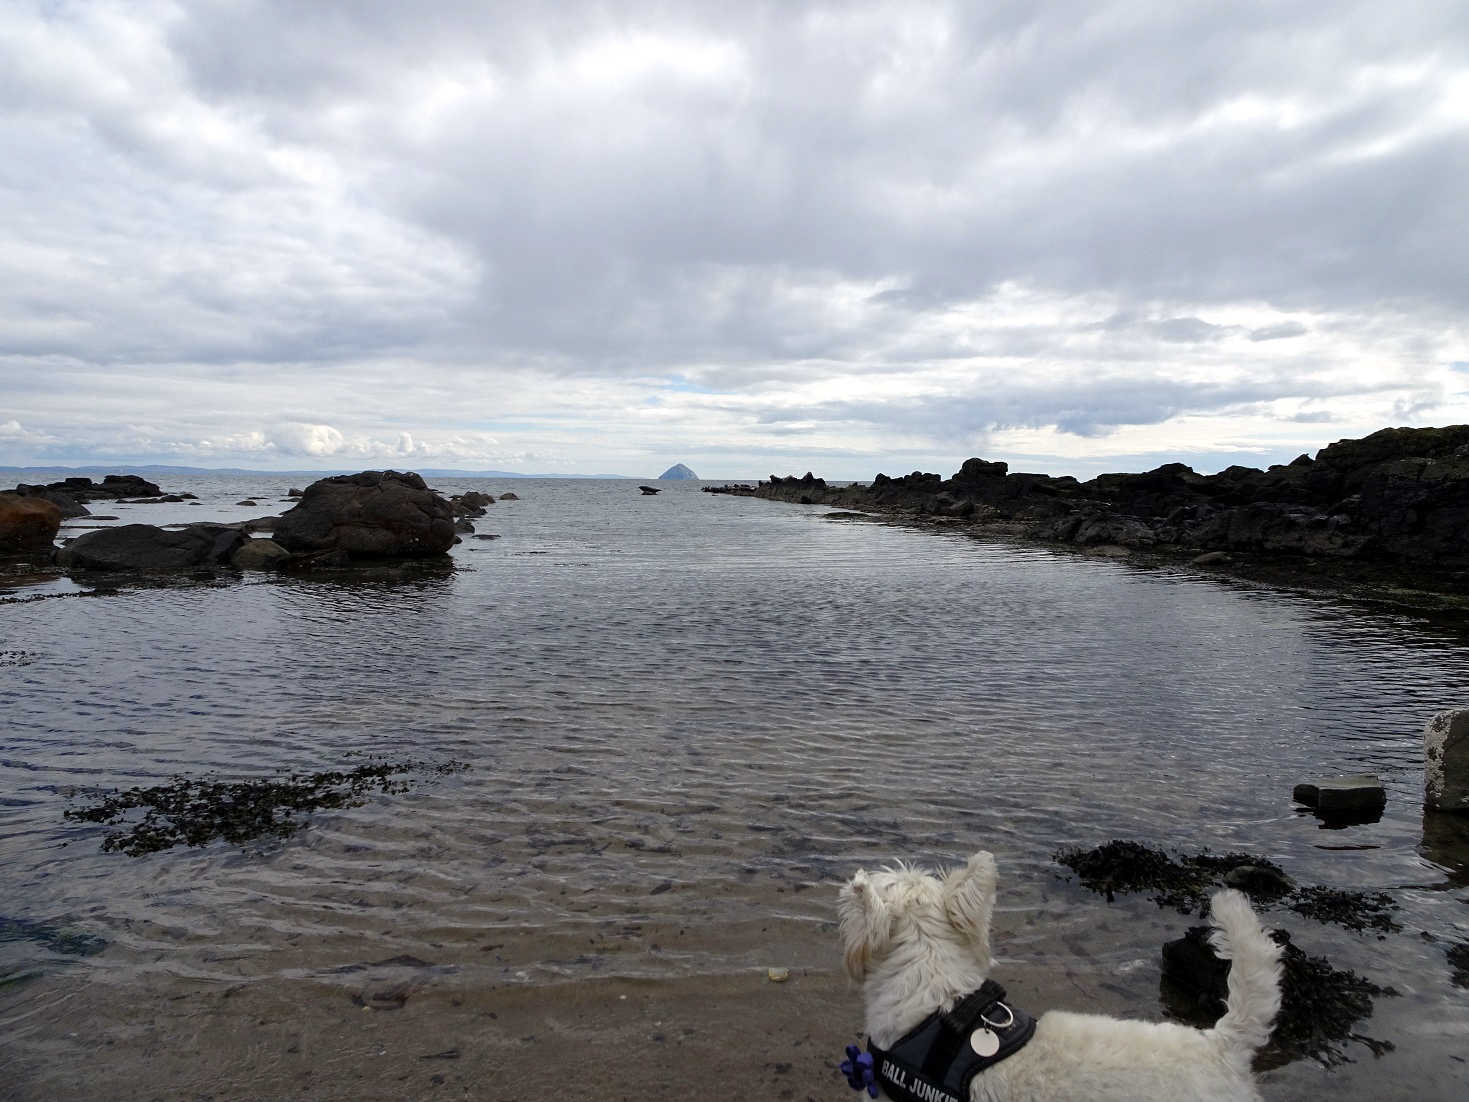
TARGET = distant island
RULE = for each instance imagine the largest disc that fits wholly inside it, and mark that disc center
(678, 470)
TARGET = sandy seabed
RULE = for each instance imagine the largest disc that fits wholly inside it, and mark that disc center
(700, 1037)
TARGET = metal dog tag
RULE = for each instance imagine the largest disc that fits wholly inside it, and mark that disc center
(984, 1042)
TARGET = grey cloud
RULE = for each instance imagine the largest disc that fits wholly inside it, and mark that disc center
(766, 192)
(1278, 332)
(1081, 407)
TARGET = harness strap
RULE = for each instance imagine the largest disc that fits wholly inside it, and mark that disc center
(935, 1061)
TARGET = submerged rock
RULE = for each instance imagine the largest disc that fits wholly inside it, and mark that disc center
(1354, 795)
(371, 515)
(260, 554)
(146, 548)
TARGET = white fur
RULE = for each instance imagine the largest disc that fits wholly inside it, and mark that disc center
(918, 942)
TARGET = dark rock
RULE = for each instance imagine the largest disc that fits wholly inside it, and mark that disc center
(1354, 794)
(977, 470)
(78, 489)
(1397, 500)
(1319, 1004)
(1212, 558)
(146, 548)
(27, 523)
(248, 501)
(1259, 881)
(262, 554)
(67, 503)
(471, 504)
(129, 485)
(463, 525)
(507, 496)
(374, 514)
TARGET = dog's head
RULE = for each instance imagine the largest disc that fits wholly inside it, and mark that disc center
(881, 912)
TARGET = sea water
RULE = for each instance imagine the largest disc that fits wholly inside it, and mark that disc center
(683, 720)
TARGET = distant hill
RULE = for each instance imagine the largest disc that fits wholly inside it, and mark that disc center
(427, 472)
(678, 470)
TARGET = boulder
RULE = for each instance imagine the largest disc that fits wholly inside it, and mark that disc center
(471, 504)
(67, 503)
(1354, 794)
(507, 496)
(1446, 760)
(261, 554)
(371, 515)
(147, 548)
(27, 523)
(977, 470)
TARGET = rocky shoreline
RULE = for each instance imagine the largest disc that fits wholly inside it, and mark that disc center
(1386, 515)
(343, 521)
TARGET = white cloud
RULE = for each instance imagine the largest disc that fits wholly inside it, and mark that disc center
(301, 439)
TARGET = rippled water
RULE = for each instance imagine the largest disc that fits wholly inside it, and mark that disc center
(686, 718)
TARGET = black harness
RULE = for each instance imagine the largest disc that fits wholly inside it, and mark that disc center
(935, 1061)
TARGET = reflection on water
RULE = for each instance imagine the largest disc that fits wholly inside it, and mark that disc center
(686, 717)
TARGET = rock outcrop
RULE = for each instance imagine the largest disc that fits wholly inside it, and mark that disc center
(145, 548)
(1446, 761)
(71, 494)
(470, 504)
(1399, 496)
(27, 524)
(371, 515)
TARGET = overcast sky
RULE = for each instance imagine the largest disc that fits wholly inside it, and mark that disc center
(750, 237)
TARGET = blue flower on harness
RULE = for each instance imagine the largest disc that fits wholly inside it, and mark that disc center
(857, 1067)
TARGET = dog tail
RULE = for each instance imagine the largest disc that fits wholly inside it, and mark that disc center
(1254, 977)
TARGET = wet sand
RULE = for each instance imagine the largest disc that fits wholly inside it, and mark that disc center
(703, 1037)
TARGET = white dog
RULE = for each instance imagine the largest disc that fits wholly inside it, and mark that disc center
(920, 944)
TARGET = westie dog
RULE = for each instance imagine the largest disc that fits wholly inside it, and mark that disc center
(920, 946)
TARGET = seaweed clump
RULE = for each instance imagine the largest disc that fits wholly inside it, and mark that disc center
(1183, 883)
(197, 811)
(1319, 1003)
(1353, 910)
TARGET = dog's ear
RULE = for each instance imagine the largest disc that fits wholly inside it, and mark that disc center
(865, 921)
(969, 900)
